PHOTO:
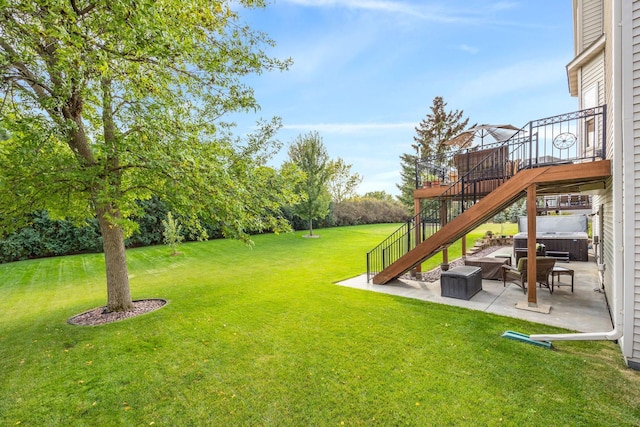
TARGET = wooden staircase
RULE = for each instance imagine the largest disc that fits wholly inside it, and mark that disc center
(550, 179)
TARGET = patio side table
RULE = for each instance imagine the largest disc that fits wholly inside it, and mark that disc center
(557, 272)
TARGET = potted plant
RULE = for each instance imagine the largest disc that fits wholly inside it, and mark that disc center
(430, 180)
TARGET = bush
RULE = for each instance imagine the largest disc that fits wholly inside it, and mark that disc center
(366, 210)
(172, 233)
(46, 237)
(150, 228)
(355, 211)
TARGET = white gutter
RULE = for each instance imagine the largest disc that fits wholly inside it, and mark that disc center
(622, 174)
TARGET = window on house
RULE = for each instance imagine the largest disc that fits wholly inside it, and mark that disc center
(590, 132)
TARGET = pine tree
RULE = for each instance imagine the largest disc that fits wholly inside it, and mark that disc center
(432, 135)
(434, 131)
(408, 180)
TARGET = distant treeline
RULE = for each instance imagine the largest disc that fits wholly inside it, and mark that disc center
(46, 237)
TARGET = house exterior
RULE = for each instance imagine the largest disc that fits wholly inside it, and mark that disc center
(594, 151)
(606, 71)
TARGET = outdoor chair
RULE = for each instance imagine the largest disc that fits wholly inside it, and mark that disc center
(518, 274)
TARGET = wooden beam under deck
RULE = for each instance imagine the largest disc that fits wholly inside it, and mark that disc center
(566, 178)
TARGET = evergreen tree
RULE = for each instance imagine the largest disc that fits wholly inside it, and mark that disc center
(434, 131)
(408, 180)
(432, 135)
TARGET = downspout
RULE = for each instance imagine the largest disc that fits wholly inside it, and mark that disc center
(621, 175)
(629, 178)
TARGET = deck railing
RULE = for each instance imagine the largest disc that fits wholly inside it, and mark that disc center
(575, 137)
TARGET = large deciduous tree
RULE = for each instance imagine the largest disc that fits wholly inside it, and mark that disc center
(308, 153)
(342, 184)
(109, 102)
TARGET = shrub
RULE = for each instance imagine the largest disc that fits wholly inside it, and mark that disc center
(366, 210)
(46, 237)
(172, 233)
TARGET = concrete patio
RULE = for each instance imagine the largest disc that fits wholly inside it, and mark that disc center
(584, 310)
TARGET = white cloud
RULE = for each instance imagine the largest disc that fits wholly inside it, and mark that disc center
(313, 58)
(504, 5)
(378, 5)
(350, 127)
(514, 78)
(419, 10)
(468, 49)
(438, 11)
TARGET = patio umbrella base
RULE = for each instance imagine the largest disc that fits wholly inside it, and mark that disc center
(538, 308)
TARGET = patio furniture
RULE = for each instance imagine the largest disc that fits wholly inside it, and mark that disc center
(559, 255)
(505, 256)
(491, 267)
(557, 272)
(518, 275)
(522, 253)
(487, 164)
(461, 282)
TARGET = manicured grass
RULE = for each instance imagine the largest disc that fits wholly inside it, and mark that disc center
(262, 336)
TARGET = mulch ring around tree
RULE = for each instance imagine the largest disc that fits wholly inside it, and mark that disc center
(100, 315)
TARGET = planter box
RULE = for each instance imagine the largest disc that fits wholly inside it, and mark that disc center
(461, 282)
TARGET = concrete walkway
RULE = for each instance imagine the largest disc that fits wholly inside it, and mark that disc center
(584, 310)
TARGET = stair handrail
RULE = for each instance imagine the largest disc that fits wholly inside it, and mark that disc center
(414, 231)
(412, 235)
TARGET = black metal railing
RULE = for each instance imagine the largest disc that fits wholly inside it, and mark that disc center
(574, 137)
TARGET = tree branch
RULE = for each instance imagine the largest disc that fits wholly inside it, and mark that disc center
(131, 131)
(81, 12)
(24, 72)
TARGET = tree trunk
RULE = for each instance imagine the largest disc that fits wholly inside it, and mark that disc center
(118, 293)
(310, 227)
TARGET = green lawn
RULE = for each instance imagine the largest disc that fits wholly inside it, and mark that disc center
(262, 336)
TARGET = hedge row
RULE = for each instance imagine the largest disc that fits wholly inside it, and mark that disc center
(47, 237)
(368, 211)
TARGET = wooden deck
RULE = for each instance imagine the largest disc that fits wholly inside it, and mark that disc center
(549, 180)
(563, 179)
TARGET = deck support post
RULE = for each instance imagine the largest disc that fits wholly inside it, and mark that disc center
(417, 228)
(531, 245)
(443, 221)
(464, 246)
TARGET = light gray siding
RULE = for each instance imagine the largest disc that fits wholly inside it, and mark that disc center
(636, 196)
(594, 73)
(592, 18)
(607, 239)
(593, 76)
(607, 199)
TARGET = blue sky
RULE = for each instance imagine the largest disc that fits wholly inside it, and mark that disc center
(365, 72)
